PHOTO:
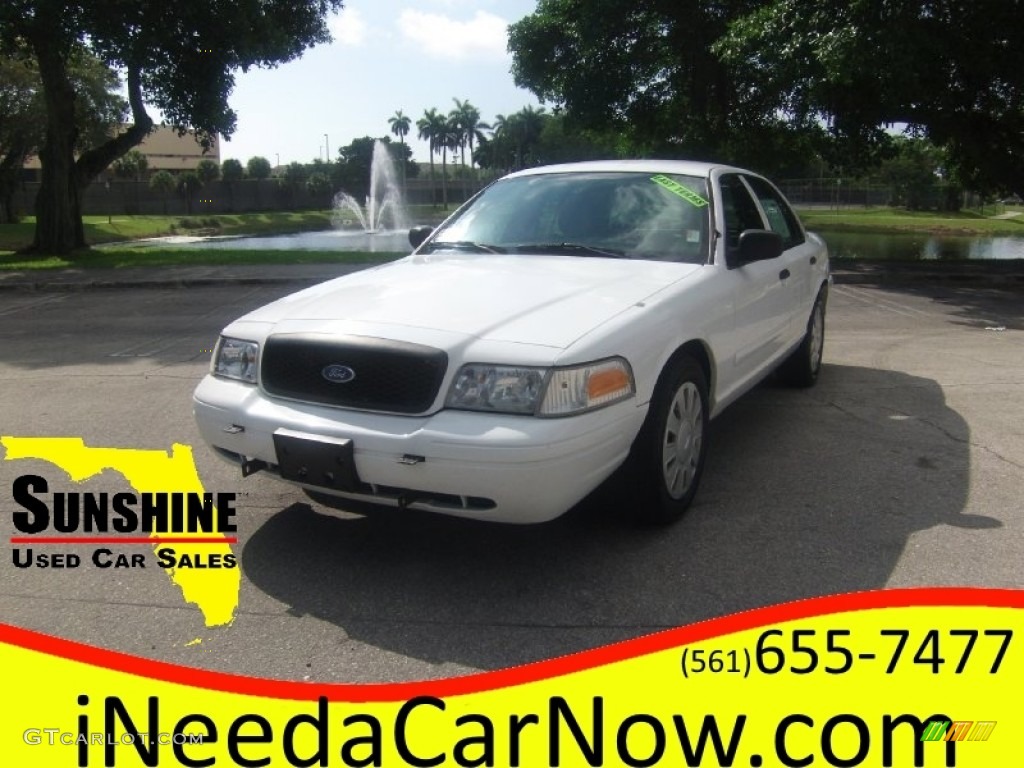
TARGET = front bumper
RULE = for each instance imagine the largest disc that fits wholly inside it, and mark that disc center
(505, 468)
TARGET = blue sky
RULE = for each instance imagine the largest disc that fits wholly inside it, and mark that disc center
(386, 55)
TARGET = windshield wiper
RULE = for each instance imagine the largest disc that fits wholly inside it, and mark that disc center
(577, 248)
(464, 245)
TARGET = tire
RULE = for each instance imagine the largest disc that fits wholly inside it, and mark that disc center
(802, 367)
(665, 465)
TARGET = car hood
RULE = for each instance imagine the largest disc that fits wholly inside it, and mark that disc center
(540, 300)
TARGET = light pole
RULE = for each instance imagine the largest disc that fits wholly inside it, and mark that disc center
(327, 147)
(110, 214)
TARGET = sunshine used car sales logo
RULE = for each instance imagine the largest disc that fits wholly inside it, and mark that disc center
(173, 517)
(166, 521)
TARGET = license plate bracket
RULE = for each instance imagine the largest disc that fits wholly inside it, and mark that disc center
(325, 462)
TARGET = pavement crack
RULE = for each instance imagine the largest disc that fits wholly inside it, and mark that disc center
(942, 430)
(846, 411)
(99, 601)
(971, 443)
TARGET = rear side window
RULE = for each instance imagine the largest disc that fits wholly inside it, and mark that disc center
(780, 216)
(739, 210)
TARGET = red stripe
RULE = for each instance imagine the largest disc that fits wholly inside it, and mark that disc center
(542, 670)
(123, 540)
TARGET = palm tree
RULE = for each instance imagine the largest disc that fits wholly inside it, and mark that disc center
(207, 170)
(428, 132)
(457, 136)
(520, 132)
(505, 131)
(450, 137)
(531, 123)
(163, 182)
(400, 125)
(468, 118)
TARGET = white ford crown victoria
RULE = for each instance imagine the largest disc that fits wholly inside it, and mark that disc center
(568, 322)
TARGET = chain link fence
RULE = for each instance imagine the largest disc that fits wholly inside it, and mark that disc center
(838, 193)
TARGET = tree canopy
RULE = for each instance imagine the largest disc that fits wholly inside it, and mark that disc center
(515, 140)
(768, 82)
(231, 170)
(644, 68)
(179, 58)
(949, 70)
(258, 167)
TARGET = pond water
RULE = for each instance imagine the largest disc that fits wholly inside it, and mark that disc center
(387, 241)
(902, 246)
(913, 246)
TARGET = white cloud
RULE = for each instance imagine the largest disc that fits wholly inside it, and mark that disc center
(348, 27)
(442, 37)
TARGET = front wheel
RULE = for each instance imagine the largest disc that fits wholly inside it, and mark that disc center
(667, 459)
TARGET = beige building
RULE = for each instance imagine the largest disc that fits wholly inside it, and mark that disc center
(165, 150)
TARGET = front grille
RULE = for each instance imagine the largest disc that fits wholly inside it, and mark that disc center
(393, 376)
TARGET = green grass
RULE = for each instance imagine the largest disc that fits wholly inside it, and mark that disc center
(100, 229)
(894, 220)
(186, 257)
(18, 235)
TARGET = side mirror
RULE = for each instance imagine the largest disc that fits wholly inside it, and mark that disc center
(418, 234)
(757, 245)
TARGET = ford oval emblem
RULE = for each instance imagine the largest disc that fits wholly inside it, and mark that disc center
(338, 374)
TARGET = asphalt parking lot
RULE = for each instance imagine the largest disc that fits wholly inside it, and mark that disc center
(903, 467)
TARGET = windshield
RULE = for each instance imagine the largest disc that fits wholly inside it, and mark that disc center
(653, 216)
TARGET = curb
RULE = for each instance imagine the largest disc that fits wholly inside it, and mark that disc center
(872, 275)
(191, 282)
(909, 278)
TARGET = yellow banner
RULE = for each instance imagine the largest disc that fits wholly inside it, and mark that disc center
(922, 677)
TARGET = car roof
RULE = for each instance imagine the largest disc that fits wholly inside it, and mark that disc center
(682, 167)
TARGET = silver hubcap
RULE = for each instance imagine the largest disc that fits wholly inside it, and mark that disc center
(817, 336)
(681, 443)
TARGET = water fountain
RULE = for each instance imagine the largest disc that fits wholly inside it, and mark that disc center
(384, 209)
(383, 223)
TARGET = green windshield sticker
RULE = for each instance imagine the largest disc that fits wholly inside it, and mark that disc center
(678, 189)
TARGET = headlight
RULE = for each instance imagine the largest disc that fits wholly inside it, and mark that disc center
(236, 359)
(501, 388)
(541, 391)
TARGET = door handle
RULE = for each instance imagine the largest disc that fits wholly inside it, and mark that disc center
(783, 274)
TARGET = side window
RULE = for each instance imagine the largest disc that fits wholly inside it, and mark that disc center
(739, 209)
(780, 216)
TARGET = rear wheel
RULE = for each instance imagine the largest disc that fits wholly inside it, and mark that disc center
(667, 459)
(801, 368)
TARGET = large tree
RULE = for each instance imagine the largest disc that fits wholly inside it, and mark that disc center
(768, 83)
(20, 108)
(946, 69)
(644, 68)
(177, 57)
(23, 112)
